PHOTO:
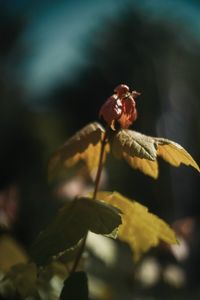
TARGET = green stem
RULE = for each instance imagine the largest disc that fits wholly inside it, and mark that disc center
(96, 186)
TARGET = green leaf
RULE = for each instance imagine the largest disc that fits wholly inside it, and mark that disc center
(75, 287)
(137, 149)
(141, 151)
(140, 228)
(84, 146)
(134, 144)
(71, 224)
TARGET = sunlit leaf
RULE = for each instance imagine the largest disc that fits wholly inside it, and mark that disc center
(140, 228)
(141, 151)
(138, 150)
(84, 146)
(174, 153)
(134, 144)
(148, 167)
(71, 224)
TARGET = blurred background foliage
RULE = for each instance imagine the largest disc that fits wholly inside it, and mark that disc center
(59, 61)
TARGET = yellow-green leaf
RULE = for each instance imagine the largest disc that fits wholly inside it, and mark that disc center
(71, 224)
(141, 151)
(84, 146)
(148, 167)
(174, 153)
(134, 144)
(140, 228)
(138, 150)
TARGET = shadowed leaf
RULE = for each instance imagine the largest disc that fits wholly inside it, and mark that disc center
(75, 287)
(23, 278)
(141, 151)
(140, 228)
(84, 146)
(11, 253)
(71, 224)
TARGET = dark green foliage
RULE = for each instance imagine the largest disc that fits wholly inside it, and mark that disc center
(71, 224)
(75, 287)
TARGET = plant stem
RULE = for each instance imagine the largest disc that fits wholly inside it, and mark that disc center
(96, 186)
(100, 165)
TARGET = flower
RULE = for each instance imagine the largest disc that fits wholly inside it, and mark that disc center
(120, 107)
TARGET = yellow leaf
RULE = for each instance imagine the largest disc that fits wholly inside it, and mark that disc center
(141, 151)
(148, 167)
(140, 228)
(174, 153)
(84, 146)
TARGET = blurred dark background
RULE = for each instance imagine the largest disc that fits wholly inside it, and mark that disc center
(59, 61)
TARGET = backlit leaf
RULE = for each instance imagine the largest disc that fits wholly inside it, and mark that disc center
(148, 167)
(84, 146)
(141, 151)
(71, 224)
(174, 153)
(140, 228)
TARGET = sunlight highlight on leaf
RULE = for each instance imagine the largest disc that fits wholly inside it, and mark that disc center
(134, 144)
(174, 153)
(84, 146)
(71, 224)
(148, 167)
(140, 228)
(141, 152)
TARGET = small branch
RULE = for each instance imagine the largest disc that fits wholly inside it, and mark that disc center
(96, 186)
(82, 247)
(100, 165)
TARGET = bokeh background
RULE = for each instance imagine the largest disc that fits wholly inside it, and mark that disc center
(59, 61)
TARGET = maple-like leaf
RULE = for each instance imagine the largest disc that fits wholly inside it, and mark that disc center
(141, 151)
(174, 153)
(84, 146)
(140, 228)
(71, 224)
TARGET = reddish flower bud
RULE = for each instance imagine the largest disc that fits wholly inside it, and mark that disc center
(120, 107)
(129, 114)
(111, 110)
(121, 90)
